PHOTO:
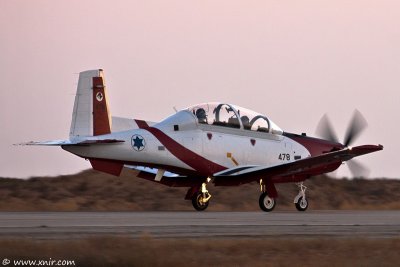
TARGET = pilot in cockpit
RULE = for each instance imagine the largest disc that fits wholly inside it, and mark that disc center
(201, 115)
(246, 122)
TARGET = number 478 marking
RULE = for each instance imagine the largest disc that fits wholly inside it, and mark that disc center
(284, 156)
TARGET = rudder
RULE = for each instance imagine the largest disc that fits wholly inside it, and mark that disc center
(91, 115)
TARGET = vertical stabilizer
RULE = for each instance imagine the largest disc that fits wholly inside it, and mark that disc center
(91, 115)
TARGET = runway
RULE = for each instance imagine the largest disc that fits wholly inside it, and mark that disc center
(67, 225)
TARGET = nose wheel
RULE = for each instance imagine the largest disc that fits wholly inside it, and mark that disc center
(300, 201)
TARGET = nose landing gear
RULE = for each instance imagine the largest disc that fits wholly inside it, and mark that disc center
(300, 201)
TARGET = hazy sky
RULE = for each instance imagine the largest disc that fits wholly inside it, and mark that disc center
(292, 60)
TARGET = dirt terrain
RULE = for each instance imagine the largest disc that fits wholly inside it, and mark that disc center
(146, 251)
(94, 191)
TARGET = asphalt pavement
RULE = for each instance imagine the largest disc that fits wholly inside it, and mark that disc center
(67, 225)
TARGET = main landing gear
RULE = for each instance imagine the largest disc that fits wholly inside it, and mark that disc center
(201, 199)
(266, 202)
(300, 201)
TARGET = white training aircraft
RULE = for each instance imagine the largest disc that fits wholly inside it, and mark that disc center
(213, 142)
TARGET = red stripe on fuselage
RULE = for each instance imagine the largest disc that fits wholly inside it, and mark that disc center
(197, 162)
(202, 165)
(142, 124)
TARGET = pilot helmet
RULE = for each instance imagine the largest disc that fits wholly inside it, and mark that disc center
(201, 114)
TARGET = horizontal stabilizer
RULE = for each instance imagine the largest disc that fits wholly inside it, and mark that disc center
(72, 143)
(101, 141)
(47, 143)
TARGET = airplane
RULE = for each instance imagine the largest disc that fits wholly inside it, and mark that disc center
(217, 143)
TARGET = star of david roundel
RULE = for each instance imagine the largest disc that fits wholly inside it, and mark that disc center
(138, 142)
(99, 96)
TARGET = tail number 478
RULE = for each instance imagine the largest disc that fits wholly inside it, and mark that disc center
(284, 156)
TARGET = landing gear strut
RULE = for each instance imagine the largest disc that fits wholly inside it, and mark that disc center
(300, 200)
(266, 202)
(201, 199)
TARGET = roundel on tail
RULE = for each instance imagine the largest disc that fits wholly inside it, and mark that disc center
(99, 96)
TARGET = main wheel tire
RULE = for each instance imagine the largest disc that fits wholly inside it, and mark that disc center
(266, 203)
(197, 202)
(301, 204)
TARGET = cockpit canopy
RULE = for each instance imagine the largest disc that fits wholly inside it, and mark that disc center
(227, 115)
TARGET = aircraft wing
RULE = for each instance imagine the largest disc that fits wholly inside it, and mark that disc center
(300, 167)
(153, 171)
(164, 177)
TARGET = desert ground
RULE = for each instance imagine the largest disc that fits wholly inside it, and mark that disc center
(94, 191)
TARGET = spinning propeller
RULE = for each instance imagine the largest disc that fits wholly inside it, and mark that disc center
(356, 126)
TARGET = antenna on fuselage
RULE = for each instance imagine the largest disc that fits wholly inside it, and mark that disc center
(176, 111)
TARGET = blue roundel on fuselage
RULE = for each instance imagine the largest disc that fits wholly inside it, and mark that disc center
(138, 142)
